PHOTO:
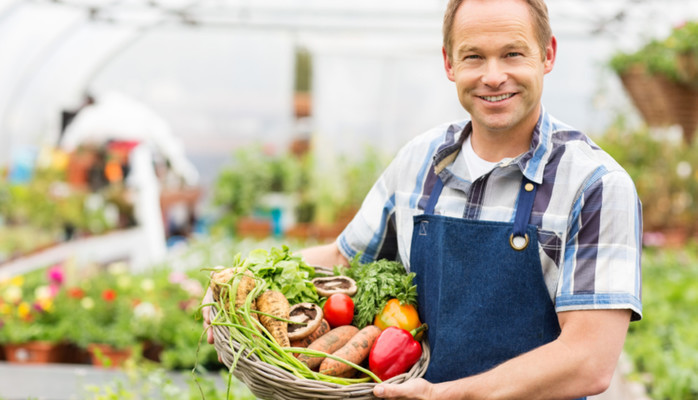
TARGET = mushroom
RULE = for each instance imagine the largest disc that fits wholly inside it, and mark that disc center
(327, 286)
(307, 318)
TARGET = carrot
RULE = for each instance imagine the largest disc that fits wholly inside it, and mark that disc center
(305, 342)
(328, 343)
(355, 350)
(275, 304)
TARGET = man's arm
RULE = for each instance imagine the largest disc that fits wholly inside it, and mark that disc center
(327, 255)
(580, 362)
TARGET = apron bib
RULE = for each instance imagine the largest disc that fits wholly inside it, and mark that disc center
(480, 289)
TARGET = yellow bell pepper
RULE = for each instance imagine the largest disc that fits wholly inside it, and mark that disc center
(400, 315)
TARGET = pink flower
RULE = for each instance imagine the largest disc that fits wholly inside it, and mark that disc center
(177, 277)
(55, 274)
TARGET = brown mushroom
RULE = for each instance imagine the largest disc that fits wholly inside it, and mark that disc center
(327, 286)
(307, 316)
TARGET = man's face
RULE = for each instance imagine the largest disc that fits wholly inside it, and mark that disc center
(497, 66)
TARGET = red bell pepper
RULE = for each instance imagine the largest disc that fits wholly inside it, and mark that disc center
(394, 352)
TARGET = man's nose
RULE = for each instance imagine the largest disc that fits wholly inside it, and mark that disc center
(494, 74)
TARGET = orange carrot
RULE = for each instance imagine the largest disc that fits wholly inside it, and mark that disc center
(355, 350)
(305, 342)
(328, 343)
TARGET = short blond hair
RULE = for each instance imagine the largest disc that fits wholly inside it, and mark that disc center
(539, 13)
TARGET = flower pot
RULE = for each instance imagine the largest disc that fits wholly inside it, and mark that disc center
(152, 350)
(254, 227)
(37, 352)
(106, 356)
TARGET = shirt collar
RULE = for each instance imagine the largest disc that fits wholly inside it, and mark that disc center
(531, 163)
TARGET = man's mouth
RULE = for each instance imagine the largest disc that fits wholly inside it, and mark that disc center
(495, 99)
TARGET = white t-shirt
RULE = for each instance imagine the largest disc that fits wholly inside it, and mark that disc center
(476, 165)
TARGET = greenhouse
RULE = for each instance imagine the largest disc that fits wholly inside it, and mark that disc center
(146, 144)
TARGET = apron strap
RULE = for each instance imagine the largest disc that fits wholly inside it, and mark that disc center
(527, 194)
(434, 196)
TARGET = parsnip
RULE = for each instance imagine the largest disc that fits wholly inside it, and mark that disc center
(275, 303)
(222, 279)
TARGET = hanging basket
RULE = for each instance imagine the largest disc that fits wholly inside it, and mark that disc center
(267, 381)
(663, 102)
(687, 66)
(682, 99)
(646, 94)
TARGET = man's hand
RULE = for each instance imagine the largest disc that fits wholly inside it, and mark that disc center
(414, 389)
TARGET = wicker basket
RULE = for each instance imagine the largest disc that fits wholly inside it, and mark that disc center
(269, 382)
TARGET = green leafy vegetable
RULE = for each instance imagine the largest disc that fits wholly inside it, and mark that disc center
(377, 282)
(284, 272)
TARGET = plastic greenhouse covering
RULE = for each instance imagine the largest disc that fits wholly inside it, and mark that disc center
(200, 78)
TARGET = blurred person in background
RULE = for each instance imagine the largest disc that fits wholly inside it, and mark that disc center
(524, 235)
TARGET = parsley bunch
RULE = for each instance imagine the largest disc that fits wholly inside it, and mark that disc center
(377, 282)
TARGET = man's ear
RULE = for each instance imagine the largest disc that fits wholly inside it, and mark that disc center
(447, 65)
(550, 53)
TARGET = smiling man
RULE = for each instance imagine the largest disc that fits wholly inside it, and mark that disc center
(524, 235)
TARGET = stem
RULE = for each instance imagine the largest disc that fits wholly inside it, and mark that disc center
(418, 329)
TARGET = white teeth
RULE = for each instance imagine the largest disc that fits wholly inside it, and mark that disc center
(497, 98)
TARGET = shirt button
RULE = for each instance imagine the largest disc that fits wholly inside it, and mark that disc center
(528, 187)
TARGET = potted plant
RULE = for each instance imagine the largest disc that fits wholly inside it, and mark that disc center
(29, 320)
(684, 38)
(661, 79)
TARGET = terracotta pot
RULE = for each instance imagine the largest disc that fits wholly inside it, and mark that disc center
(253, 227)
(105, 356)
(152, 350)
(37, 352)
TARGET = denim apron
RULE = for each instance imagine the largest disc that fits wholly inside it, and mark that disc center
(480, 289)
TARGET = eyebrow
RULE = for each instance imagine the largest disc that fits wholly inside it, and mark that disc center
(516, 44)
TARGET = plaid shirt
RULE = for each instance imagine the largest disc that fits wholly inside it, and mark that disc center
(587, 211)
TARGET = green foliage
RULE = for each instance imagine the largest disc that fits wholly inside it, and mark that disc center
(377, 282)
(322, 193)
(146, 382)
(284, 272)
(664, 345)
(251, 174)
(664, 173)
(660, 56)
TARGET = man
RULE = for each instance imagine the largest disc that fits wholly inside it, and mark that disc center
(525, 237)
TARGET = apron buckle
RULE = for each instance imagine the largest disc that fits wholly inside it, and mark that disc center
(518, 243)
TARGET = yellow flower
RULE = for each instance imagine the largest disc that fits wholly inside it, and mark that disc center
(5, 309)
(17, 281)
(147, 285)
(46, 304)
(42, 292)
(123, 282)
(87, 303)
(12, 294)
(23, 309)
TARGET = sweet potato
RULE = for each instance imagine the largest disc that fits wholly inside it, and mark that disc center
(328, 343)
(275, 303)
(355, 350)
